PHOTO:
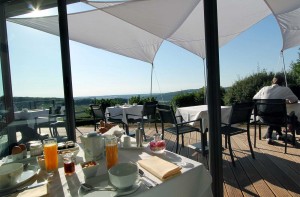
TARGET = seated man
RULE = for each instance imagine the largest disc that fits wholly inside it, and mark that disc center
(276, 91)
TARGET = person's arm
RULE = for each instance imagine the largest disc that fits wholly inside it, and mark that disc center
(290, 96)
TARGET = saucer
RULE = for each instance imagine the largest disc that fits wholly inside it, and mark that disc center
(26, 175)
(103, 181)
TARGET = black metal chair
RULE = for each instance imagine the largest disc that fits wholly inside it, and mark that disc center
(98, 114)
(116, 119)
(167, 115)
(240, 113)
(271, 112)
(148, 115)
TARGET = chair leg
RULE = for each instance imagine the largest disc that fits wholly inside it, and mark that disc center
(250, 145)
(259, 132)
(143, 130)
(285, 141)
(294, 137)
(254, 135)
(155, 127)
(182, 144)
(226, 141)
(177, 143)
(230, 151)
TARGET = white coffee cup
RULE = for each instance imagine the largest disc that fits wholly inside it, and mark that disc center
(126, 142)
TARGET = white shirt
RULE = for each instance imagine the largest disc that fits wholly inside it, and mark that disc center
(276, 92)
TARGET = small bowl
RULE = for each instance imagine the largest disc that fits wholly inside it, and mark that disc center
(16, 157)
(123, 175)
(41, 161)
(89, 168)
(9, 174)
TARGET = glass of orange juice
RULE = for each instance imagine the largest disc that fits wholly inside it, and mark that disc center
(51, 156)
(111, 148)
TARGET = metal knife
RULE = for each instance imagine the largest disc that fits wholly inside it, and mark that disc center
(32, 186)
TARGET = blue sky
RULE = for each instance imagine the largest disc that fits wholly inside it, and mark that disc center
(36, 67)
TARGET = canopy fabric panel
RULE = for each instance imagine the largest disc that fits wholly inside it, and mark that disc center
(137, 28)
(191, 35)
(287, 14)
(182, 22)
(101, 30)
(159, 17)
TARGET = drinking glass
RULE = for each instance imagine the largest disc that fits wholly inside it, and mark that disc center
(111, 149)
(69, 164)
(51, 156)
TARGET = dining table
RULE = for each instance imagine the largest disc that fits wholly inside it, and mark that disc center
(121, 111)
(31, 115)
(194, 180)
(193, 113)
(200, 112)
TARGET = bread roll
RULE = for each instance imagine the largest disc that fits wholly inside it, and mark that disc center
(22, 146)
(16, 150)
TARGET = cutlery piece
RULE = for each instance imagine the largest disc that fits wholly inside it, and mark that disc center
(27, 187)
(142, 174)
(89, 187)
(32, 186)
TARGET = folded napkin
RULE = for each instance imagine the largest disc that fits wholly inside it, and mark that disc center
(34, 192)
(160, 168)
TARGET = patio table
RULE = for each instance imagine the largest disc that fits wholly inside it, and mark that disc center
(201, 112)
(31, 116)
(124, 110)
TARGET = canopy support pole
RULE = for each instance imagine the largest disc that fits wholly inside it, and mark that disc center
(66, 68)
(213, 95)
(205, 85)
(152, 66)
(284, 71)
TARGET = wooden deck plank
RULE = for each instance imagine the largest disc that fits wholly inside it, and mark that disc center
(245, 158)
(268, 171)
(241, 175)
(230, 182)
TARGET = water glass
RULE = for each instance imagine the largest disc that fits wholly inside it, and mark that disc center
(51, 156)
(111, 149)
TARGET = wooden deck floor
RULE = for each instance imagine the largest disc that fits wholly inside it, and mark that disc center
(271, 173)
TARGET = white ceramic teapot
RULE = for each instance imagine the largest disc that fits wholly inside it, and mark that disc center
(93, 146)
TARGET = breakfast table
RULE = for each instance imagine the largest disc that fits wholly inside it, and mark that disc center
(120, 112)
(194, 179)
(31, 115)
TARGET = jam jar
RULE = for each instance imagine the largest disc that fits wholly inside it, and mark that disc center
(157, 145)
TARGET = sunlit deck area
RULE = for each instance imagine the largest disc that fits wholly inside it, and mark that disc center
(272, 173)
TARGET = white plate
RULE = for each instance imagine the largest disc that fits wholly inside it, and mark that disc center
(26, 175)
(103, 181)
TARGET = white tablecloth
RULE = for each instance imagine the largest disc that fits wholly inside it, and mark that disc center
(294, 107)
(194, 181)
(30, 116)
(200, 111)
(123, 110)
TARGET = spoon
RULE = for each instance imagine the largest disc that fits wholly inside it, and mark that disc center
(142, 174)
(89, 187)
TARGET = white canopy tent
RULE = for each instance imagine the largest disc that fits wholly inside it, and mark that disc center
(137, 28)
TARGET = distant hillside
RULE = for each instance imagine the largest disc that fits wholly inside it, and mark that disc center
(160, 97)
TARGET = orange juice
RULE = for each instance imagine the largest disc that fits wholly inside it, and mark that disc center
(111, 154)
(51, 156)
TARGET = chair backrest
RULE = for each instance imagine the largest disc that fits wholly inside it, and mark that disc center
(97, 112)
(166, 114)
(149, 109)
(271, 111)
(241, 112)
